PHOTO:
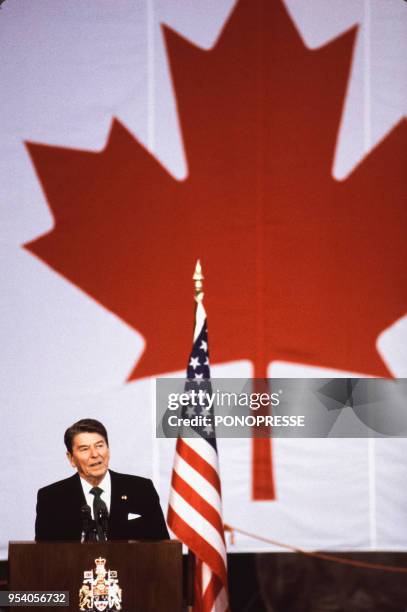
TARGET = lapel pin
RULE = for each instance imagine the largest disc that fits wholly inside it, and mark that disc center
(124, 497)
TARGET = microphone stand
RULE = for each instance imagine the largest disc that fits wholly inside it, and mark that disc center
(103, 517)
(89, 531)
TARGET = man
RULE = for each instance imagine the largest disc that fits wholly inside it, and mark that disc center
(123, 507)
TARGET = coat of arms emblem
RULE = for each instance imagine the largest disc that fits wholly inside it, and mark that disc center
(100, 589)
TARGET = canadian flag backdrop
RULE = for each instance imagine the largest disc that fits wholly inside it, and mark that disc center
(265, 137)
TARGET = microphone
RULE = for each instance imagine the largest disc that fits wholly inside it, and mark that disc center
(102, 521)
(88, 531)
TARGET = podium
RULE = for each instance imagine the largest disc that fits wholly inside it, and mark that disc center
(146, 576)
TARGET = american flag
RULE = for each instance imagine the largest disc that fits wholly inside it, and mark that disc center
(195, 505)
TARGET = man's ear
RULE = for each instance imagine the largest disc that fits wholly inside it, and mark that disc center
(70, 459)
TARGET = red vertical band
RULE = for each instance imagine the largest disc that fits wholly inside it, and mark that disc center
(263, 487)
(262, 469)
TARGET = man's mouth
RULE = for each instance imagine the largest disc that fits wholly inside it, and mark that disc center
(97, 464)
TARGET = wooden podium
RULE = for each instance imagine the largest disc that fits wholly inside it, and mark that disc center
(149, 574)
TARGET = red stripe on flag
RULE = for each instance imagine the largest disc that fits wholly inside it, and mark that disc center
(199, 546)
(211, 592)
(196, 501)
(198, 463)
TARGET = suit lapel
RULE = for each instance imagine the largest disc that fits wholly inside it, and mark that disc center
(71, 507)
(78, 496)
(113, 495)
(117, 509)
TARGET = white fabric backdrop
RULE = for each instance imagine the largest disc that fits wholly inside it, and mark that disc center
(66, 69)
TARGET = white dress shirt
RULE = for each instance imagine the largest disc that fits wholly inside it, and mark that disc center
(105, 484)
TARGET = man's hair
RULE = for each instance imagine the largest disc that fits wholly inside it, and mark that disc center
(84, 426)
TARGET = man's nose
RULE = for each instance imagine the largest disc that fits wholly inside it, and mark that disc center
(93, 451)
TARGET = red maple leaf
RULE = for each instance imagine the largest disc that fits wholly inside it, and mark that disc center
(298, 266)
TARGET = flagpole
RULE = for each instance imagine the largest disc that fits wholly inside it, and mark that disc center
(206, 588)
(198, 278)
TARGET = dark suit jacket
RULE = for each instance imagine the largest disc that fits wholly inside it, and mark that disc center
(59, 510)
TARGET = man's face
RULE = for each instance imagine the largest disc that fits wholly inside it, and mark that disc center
(90, 456)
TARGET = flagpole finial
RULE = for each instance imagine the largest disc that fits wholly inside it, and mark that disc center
(198, 278)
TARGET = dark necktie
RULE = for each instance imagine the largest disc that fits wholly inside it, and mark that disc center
(100, 513)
